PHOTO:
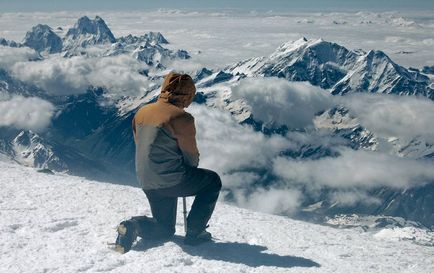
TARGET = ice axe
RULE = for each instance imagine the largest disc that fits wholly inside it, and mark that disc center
(184, 205)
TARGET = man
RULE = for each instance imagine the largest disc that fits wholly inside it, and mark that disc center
(166, 165)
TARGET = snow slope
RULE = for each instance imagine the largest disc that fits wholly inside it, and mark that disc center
(60, 223)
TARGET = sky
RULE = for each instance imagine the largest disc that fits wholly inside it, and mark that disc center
(283, 5)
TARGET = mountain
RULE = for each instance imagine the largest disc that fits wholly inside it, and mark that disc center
(342, 124)
(88, 32)
(29, 149)
(428, 69)
(147, 48)
(45, 214)
(332, 66)
(42, 38)
(155, 54)
(152, 37)
(13, 86)
(10, 43)
(375, 72)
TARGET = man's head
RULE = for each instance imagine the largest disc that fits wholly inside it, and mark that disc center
(178, 89)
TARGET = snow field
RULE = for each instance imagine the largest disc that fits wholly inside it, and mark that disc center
(61, 223)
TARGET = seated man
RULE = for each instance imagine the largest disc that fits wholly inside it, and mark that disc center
(166, 165)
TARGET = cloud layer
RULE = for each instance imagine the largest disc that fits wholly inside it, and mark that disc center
(393, 116)
(290, 103)
(296, 103)
(61, 76)
(240, 154)
(360, 169)
(10, 55)
(26, 113)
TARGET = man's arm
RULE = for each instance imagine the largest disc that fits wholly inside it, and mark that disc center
(134, 127)
(185, 132)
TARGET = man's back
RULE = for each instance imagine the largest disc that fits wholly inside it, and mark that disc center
(165, 143)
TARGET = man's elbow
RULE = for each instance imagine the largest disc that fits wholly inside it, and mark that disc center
(191, 160)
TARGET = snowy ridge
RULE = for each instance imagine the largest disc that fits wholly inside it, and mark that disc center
(30, 150)
(386, 227)
(88, 32)
(93, 38)
(153, 37)
(332, 66)
(56, 233)
(343, 124)
(10, 43)
(42, 38)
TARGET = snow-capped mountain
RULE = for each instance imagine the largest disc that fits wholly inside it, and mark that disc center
(41, 216)
(42, 38)
(155, 55)
(10, 43)
(342, 124)
(29, 149)
(10, 85)
(93, 38)
(152, 37)
(375, 72)
(87, 32)
(332, 66)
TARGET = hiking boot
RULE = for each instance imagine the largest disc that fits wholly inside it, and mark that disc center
(127, 234)
(197, 238)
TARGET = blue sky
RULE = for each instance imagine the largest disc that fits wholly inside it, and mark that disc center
(287, 5)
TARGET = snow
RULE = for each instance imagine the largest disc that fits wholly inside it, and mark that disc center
(61, 223)
(420, 236)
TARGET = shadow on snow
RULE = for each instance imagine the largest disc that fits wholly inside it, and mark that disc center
(233, 252)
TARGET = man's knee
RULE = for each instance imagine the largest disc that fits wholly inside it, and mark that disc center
(216, 181)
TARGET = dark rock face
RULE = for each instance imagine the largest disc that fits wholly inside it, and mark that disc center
(42, 38)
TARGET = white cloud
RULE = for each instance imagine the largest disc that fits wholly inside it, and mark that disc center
(228, 146)
(296, 103)
(352, 197)
(290, 103)
(64, 76)
(10, 55)
(238, 154)
(393, 116)
(25, 113)
(360, 169)
(278, 201)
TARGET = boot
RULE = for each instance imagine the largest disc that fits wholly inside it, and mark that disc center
(194, 238)
(127, 234)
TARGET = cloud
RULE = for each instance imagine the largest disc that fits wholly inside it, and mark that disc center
(296, 103)
(352, 198)
(278, 201)
(10, 55)
(290, 103)
(62, 76)
(360, 169)
(25, 113)
(240, 155)
(393, 116)
(228, 146)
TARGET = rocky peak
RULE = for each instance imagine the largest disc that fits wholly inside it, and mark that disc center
(42, 38)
